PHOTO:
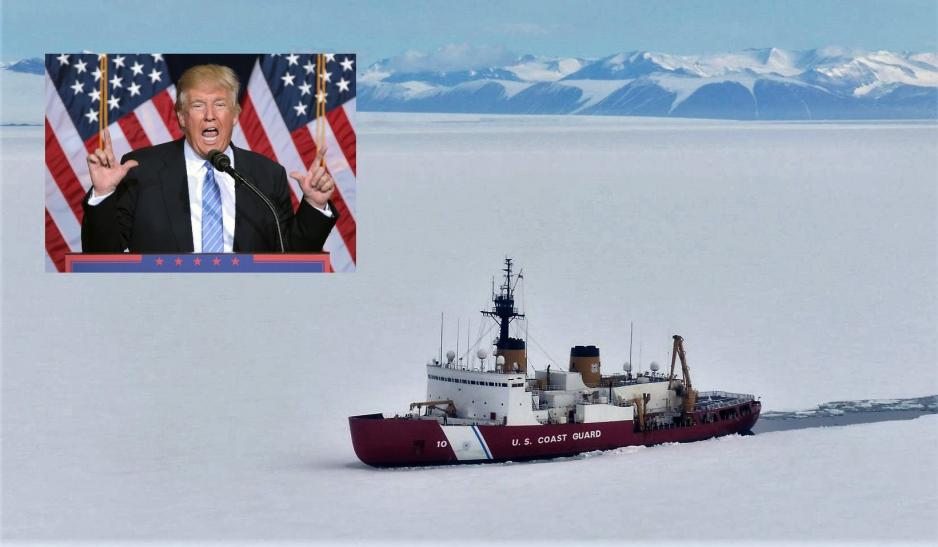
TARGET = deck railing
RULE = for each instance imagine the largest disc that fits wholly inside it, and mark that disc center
(705, 399)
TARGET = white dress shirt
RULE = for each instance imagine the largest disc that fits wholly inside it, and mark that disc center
(195, 175)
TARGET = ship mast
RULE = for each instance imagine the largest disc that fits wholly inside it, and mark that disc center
(503, 311)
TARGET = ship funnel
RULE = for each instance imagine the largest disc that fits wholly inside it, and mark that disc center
(585, 360)
(513, 351)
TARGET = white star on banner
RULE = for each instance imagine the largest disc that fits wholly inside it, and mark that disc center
(95, 95)
(155, 76)
(157, 57)
(134, 89)
(80, 66)
(101, 56)
(346, 64)
(92, 115)
(321, 96)
(137, 68)
(119, 61)
(287, 79)
(63, 59)
(292, 59)
(327, 76)
(343, 84)
(78, 87)
(309, 66)
(113, 102)
(300, 109)
(304, 89)
(116, 82)
(330, 57)
(96, 73)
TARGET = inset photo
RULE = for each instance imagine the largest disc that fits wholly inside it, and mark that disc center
(200, 163)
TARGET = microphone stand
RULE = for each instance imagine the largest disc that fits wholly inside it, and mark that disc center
(222, 163)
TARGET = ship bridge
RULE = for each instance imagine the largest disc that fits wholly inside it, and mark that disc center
(481, 395)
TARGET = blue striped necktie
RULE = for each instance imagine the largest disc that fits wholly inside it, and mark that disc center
(211, 213)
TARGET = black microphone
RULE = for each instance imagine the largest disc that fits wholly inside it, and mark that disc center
(222, 163)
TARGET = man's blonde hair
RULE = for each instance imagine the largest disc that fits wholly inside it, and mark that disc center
(217, 74)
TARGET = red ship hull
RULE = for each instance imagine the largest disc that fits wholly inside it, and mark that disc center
(389, 442)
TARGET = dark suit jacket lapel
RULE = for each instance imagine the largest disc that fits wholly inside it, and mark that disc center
(244, 204)
(175, 188)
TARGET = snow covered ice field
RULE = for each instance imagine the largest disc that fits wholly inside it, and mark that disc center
(798, 260)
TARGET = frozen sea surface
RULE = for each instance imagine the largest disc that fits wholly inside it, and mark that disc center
(797, 260)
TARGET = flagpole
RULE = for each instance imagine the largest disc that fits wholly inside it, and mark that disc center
(321, 103)
(320, 68)
(102, 103)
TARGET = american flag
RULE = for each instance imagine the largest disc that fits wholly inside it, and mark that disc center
(278, 119)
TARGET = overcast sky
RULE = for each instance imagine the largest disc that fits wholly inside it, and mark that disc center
(381, 29)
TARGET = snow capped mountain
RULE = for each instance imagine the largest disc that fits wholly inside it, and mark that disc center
(21, 92)
(769, 83)
(528, 68)
(28, 66)
(531, 68)
(628, 66)
(879, 72)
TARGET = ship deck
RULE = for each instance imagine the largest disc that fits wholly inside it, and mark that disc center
(711, 400)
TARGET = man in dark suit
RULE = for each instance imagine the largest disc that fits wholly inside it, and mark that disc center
(168, 198)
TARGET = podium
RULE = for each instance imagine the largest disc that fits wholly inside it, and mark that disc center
(198, 263)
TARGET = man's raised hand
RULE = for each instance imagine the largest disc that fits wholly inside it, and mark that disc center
(105, 172)
(317, 184)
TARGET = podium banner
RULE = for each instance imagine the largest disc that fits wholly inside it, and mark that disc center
(199, 263)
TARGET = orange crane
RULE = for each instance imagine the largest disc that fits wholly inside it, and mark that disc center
(690, 394)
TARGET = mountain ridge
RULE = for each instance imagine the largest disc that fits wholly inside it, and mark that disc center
(829, 83)
(757, 83)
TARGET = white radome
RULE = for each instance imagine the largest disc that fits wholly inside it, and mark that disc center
(450, 355)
